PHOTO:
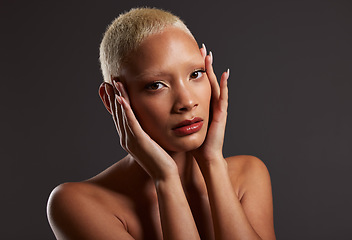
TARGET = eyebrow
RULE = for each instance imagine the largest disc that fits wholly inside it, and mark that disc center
(156, 73)
(150, 74)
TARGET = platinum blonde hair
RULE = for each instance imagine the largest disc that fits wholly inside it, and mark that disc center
(126, 33)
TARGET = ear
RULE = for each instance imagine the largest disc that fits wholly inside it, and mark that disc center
(104, 87)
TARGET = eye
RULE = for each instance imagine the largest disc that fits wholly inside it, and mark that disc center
(197, 74)
(155, 86)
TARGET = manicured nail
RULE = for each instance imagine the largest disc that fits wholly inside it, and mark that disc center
(115, 84)
(211, 57)
(118, 88)
(203, 46)
(118, 98)
(228, 72)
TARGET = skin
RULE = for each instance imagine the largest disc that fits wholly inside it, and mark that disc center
(168, 186)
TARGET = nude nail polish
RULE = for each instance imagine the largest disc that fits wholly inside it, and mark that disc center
(117, 88)
(203, 46)
(118, 98)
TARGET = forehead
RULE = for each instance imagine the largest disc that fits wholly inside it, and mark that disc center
(172, 48)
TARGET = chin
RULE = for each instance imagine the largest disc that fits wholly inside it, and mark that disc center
(185, 144)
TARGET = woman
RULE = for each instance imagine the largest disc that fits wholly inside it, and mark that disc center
(170, 114)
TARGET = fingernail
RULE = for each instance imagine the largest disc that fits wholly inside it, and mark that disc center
(203, 46)
(117, 86)
(118, 98)
(228, 72)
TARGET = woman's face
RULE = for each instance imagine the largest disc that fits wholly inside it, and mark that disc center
(167, 85)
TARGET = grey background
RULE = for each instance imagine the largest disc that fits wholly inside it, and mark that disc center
(290, 103)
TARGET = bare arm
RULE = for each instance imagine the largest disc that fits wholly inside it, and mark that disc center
(176, 217)
(75, 215)
(251, 219)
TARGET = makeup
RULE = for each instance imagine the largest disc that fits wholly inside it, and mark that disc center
(188, 127)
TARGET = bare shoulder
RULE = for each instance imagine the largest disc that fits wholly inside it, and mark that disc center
(68, 195)
(82, 210)
(247, 172)
(246, 165)
(251, 181)
(70, 189)
(64, 197)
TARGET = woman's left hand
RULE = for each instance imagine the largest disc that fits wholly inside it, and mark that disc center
(211, 149)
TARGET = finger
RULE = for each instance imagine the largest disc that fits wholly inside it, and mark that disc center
(224, 91)
(130, 122)
(122, 90)
(110, 93)
(115, 109)
(129, 135)
(219, 116)
(212, 77)
(118, 105)
(124, 96)
(119, 116)
(130, 119)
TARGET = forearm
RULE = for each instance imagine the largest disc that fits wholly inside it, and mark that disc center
(176, 216)
(229, 218)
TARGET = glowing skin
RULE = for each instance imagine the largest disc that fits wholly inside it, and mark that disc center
(166, 84)
(174, 183)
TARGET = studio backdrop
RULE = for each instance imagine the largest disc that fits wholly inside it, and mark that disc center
(290, 103)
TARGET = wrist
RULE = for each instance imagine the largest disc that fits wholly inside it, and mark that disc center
(167, 181)
(213, 168)
(163, 172)
(167, 174)
(216, 162)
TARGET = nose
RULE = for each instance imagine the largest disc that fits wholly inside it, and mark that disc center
(185, 99)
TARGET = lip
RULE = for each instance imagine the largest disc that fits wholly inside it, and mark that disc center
(188, 126)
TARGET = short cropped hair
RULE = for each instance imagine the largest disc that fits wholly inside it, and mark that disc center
(127, 31)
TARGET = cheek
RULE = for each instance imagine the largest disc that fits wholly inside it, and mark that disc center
(149, 111)
(140, 105)
(152, 115)
(204, 93)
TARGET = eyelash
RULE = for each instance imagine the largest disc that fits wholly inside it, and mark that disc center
(149, 86)
(198, 71)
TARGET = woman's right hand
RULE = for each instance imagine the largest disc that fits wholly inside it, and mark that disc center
(154, 159)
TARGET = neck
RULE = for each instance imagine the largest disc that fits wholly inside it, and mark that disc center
(187, 167)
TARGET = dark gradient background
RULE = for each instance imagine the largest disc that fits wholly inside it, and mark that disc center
(290, 103)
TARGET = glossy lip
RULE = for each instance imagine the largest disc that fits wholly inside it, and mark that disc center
(187, 127)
